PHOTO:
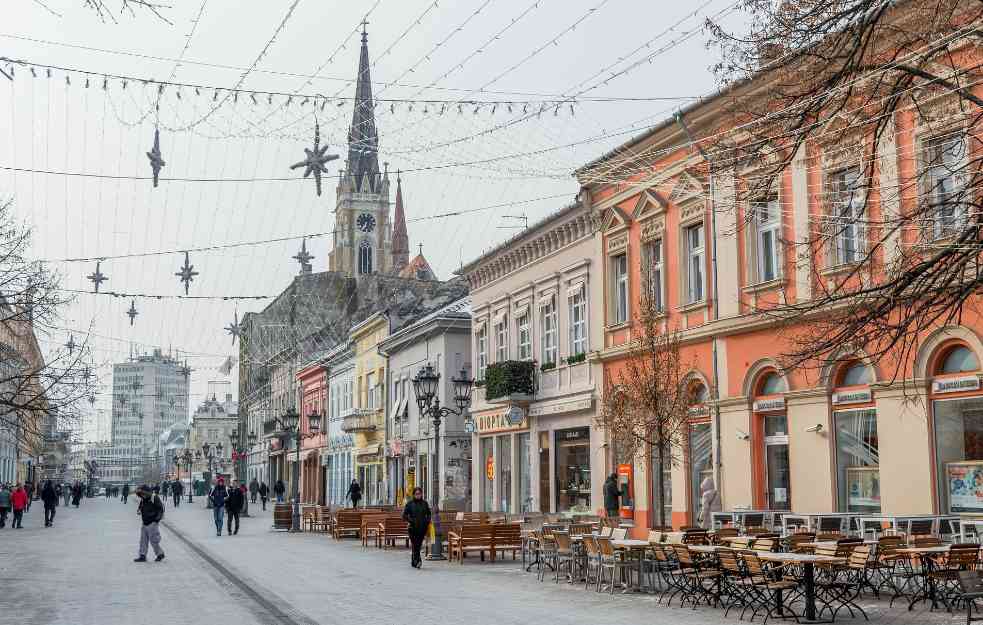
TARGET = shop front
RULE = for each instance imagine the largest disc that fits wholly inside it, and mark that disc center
(370, 472)
(957, 409)
(502, 464)
(338, 464)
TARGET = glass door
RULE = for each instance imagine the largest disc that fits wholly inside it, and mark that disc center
(776, 462)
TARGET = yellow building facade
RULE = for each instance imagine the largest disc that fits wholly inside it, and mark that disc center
(367, 421)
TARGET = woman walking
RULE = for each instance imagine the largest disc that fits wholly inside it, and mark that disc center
(417, 517)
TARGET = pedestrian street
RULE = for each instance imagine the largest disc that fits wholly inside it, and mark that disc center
(81, 572)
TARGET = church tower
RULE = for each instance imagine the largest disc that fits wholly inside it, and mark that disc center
(401, 240)
(363, 234)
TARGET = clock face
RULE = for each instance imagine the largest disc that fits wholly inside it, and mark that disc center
(365, 222)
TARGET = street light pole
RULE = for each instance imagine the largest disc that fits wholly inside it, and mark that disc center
(290, 425)
(425, 387)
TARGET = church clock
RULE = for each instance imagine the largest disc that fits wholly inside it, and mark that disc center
(365, 222)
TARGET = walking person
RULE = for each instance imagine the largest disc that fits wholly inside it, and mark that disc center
(50, 499)
(64, 492)
(278, 490)
(253, 490)
(151, 513)
(18, 501)
(611, 496)
(126, 492)
(417, 517)
(233, 506)
(77, 494)
(218, 496)
(177, 490)
(4, 503)
(354, 492)
(264, 493)
(29, 489)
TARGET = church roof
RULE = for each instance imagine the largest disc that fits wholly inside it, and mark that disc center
(418, 268)
(363, 138)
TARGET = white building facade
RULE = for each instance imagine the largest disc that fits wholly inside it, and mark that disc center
(337, 458)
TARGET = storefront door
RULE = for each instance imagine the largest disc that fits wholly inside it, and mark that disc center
(776, 462)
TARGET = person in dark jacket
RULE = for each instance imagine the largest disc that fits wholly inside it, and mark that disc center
(218, 496)
(77, 494)
(233, 506)
(354, 492)
(151, 513)
(417, 517)
(264, 493)
(278, 490)
(177, 489)
(253, 490)
(49, 496)
(5, 494)
(611, 496)
(126, 492)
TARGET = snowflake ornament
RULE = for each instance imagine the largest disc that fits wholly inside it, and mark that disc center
(316, 160)
(97, 277)
(187, 273)
(234, 328)
(156, 162)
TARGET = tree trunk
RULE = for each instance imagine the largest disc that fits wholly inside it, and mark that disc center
(661, 486)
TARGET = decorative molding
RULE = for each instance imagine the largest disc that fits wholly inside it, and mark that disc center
(653, 228)
(617, 244)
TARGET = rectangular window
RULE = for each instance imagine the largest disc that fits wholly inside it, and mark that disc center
(501, 340)
(858, 461)
(766, 221)
(482, 352)
(573, 484)
(370, 391)
(695, 263)
(654, 260)
(945, 161)
(578, 322)
(548, 314)
(959, 453)
(846, 218)
(619, 283)
(525, 340)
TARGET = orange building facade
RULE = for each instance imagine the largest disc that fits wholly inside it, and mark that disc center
(858, 435)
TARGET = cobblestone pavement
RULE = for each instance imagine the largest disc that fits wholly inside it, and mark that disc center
(80, 572)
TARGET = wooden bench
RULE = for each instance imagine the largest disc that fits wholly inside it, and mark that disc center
(347, 523)
(320, 521)
(469, 538)
(371, 522)
(390, 530)
(506, 538)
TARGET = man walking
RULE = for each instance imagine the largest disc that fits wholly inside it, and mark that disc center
(218, 496)
(29, 490)
(253, 490)
(233, 506)
(354, 492)
(417, 517)
(126, 492)
(66, 493)
(177, 489)
(151, 513)
(50, 499)
(611, 496)
(278, 490)
(19, 501)
(264, 493)
(4, 503)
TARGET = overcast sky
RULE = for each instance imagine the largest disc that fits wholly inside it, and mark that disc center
(48, 124)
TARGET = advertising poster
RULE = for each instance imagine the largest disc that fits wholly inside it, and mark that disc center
(863, 488)
(965, 480)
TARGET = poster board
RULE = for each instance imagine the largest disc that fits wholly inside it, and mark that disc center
(964, 484)
(863, 488)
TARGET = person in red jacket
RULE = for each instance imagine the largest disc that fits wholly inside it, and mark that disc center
(18, 500)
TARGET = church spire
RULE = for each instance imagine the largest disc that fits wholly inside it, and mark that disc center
(400, 239)
(363, 139)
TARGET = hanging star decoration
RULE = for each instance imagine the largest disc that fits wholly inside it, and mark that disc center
(156, 162)
(304, 257)
(92, 399)
(70, 345)
(132, 312)
(187, 273)
(186, 370)
(234, 328)
(316, 160)
(97, 277)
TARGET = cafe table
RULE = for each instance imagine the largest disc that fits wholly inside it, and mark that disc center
(927, 555)
(638, 547)
(808, 562)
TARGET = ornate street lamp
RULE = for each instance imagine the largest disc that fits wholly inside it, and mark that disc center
(289, 424)
(426, 385)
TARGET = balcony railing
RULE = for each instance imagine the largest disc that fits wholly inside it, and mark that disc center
(510, 381)
(361, 420)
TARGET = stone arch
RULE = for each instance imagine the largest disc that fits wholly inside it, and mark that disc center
(828, 372)
(755, 371)
(947, 334)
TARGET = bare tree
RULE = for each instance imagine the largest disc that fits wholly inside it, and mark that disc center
(881, 98)
(645, 406)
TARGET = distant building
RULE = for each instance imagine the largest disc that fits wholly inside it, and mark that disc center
(213, 423)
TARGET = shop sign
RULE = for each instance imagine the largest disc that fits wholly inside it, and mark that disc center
(516, 415)
(561, 406)
(469, 426)
(573, 435)
(853, 397)
(955, 385)
(498, 422)
(769, 405)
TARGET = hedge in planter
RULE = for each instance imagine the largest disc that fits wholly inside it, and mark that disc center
(512, 377)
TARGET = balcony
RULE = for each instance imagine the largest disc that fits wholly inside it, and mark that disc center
(270, 428)
(361, 420)
(510, 382)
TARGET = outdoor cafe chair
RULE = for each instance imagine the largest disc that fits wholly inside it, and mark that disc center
(769, 590)
(665, 565)
(547, 554)
(699, 581)
(735, 585)
(592, 563)
(613, 562)
(619, 533)
(724, 532)
(960, 557)
(564, 556)
(842, 589)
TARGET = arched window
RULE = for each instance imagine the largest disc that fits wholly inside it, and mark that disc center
(365, 257)
(771, 384)
(959, 359)
(698, 394)
(855, 374)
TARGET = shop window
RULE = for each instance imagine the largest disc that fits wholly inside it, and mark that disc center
(504, 462)
(857, 461)
(487, 474)
(959, 452)
(523, 468)
(959, 359)
(700, 464)
(573, 488)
